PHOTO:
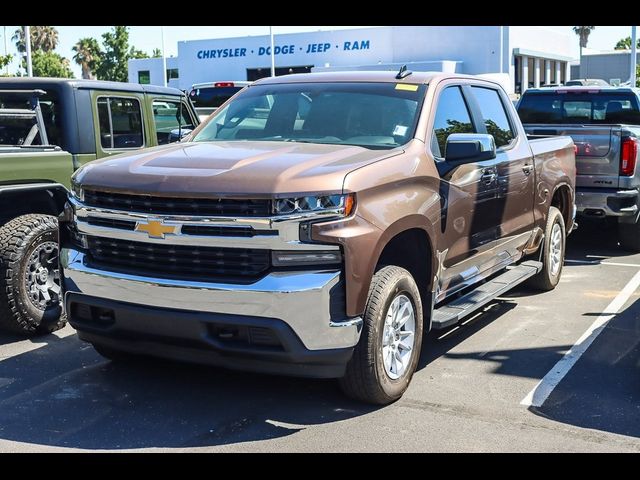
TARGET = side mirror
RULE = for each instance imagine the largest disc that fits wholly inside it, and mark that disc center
(470, 147)
(174, 135)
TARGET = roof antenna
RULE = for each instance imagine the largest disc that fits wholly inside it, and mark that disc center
(403, 72)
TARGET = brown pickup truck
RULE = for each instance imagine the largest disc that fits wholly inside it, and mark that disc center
(318, 225)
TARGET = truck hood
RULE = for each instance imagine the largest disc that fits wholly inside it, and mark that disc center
(230, 168)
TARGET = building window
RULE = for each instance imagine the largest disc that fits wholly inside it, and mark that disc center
(172, 73)
(120, 121)
(144, 77)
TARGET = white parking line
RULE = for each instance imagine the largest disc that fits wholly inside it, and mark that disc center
(543, 389)
(597, 262)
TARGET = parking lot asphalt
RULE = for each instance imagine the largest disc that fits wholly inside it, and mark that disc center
(469, 393)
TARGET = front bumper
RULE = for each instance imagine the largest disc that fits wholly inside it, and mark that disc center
(607, 202)
(301, 314)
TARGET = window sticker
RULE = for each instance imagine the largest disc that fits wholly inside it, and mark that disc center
(407, 86)
(400, 130)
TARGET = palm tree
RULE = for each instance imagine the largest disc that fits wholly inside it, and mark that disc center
(583, 33)
(87, 55)
(42, 38)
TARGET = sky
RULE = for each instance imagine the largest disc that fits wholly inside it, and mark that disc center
(147, 38)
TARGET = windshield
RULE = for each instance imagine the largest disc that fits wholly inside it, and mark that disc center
(579, 107)
(376, 115)
(212, 96)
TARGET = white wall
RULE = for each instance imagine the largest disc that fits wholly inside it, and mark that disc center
(154, 65)
(541, 39)
(475, 49)
(294, 49)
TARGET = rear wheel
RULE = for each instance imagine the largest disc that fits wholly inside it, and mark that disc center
(629, 236)
(553, 249)
(31, 299)
(389, 348)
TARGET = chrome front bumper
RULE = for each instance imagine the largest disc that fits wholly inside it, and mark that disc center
(302, 300)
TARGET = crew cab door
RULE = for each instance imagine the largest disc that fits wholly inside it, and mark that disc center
(512, 211)
(468, 230)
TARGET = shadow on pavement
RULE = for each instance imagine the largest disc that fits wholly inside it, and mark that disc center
(65, 394)
(594, 237)
(438, 343)
(602, 390)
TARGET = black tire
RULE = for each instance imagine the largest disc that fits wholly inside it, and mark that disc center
(366, 378)
(113, 354)
(629, 236)
(20, 239)
(546, 279)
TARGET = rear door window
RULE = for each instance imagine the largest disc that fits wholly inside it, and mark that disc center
(579, 107)
(452, 116)
(494, 115)
(120, 121)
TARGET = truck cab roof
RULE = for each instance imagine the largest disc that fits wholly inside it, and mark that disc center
(582, 88)
(71, 83)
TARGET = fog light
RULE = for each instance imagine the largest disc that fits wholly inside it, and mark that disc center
(296, 258)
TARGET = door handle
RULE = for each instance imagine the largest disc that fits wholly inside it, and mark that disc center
(488, 177)
(527, 169)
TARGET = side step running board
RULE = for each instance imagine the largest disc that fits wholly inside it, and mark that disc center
(451, 313)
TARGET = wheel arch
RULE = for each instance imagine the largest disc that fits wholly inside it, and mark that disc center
(408, 243)
(562, 199)
(22, 199)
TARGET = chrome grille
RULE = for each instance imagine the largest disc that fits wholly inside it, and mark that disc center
(159, 205)
(176, 261)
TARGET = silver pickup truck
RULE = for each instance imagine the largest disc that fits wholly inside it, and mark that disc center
(604, 123)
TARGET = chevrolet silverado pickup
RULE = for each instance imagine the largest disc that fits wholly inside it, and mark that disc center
(604, 123)
(317, 225)
(48, 128)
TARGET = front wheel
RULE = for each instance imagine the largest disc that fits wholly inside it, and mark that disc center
(31, 299)
(553, 249)
(387, 354)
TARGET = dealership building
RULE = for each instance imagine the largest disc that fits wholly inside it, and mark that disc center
(531, 56)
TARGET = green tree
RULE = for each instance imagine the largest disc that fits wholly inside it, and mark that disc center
(113, 65)
(88, 55)
(4, 61)
(625, 44)
(583, 33)
(42, 38)
(50, 64)
(157, 53)
(135, 53)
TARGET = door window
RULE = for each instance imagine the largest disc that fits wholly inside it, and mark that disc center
(169, 117)
(120, 121)
(495, 117)
(452, 116)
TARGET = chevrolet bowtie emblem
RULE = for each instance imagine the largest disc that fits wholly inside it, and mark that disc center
(155, 228)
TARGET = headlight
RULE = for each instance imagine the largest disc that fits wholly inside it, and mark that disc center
(340, 204)
(76, 191)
